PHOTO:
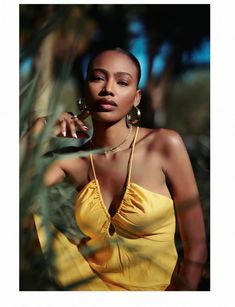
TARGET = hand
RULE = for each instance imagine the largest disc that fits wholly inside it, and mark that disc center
(68, 125)
(176, 287)
(178, 284)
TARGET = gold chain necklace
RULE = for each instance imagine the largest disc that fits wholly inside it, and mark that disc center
(114, 148)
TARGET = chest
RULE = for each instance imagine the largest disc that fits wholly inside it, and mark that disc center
(125, 197)
(115, 173)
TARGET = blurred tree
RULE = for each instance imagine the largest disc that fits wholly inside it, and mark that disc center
(178, 25)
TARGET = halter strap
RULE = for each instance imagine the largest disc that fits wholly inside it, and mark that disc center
(130, 159)
(131, 156)
(92, 165)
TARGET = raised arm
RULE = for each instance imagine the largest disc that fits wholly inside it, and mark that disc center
(66, 126)
(181, 180)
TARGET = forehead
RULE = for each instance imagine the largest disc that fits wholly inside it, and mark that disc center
(115, 61)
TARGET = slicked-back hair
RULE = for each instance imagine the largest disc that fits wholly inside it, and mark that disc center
(122, 51)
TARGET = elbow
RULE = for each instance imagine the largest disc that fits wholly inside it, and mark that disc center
(197, 253)
(203, 254)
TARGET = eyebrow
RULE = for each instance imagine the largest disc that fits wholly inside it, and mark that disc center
(117, 73)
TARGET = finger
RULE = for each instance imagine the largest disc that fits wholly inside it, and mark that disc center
(63, 127)
(80, 124)
(64, 116)
(72, 128)
(73, 117)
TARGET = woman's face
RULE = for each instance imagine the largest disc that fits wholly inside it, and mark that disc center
(111, 86)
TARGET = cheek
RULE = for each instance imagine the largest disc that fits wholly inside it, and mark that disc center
(127, 99)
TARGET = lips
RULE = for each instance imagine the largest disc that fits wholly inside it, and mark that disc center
(105, 105)
(104, 101)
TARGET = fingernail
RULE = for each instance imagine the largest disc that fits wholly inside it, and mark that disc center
(75, 135)
(64, 133)
(85, 127)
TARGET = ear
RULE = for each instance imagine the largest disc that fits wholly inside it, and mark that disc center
(137, 97)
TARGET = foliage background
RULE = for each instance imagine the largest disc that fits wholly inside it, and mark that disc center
(172, 43)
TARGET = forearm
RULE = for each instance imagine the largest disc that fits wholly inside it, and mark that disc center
(191, 269)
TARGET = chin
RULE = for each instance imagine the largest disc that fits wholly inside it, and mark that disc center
(105, 117)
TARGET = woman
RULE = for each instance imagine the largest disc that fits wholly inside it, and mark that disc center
(128, 192)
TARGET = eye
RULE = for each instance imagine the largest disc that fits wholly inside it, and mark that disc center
(97, 78)
(123, 83)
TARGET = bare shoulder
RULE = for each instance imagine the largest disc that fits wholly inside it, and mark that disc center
(74, 166)
(74, 160)
(170, 138)
(161, 138)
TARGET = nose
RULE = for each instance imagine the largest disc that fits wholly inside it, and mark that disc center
(107, 89)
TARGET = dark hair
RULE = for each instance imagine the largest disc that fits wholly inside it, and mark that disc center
(120, 50)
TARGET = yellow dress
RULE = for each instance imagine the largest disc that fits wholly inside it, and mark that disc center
(138, 254)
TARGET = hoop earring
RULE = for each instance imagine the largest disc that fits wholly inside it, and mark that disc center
(81, 105)
(133, 117)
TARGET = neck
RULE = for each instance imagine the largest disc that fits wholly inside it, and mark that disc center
(109, 135)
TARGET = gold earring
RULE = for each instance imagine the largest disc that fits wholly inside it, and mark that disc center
(81, 105)
(133, 117)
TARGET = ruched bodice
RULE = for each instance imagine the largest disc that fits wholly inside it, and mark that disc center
(133, 249)
(141, 213)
